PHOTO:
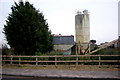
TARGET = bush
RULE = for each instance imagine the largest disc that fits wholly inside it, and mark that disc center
(108, 52)
(7, 51)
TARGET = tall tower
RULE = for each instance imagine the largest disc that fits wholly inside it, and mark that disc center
(82, 29)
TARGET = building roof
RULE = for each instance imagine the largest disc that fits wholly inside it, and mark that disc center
(59, 39)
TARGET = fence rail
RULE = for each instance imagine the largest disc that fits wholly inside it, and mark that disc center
(100, 60)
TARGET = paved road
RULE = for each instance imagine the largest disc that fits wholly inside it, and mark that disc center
(6, 77)
(61, 73)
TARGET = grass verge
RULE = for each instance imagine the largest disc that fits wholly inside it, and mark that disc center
(63, 67)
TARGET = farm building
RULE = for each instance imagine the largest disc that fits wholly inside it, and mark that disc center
(63, 44)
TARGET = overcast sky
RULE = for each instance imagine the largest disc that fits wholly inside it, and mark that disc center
(60, 15)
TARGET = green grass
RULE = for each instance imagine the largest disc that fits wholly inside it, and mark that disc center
(62, 67)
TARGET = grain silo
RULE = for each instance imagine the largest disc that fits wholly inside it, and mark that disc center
(82, 30)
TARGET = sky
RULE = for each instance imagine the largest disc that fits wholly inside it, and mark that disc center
(60, 15)
(119, 19)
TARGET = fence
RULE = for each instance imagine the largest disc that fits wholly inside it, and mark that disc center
(99, 60)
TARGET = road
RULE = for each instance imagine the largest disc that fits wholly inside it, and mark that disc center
(6, 77)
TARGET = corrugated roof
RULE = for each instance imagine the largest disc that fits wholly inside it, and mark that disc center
(63, 39)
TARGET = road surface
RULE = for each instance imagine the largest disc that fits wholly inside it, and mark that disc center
(7, 77)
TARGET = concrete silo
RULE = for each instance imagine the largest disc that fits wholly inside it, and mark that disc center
(82, 30)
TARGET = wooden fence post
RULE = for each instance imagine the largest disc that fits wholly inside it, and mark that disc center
(3, 59)
(76, 60)
(11, 59)
(99, 60)
(55, 60)
(36, 60)
(20, 60)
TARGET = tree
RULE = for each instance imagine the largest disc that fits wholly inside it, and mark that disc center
(4, 49)
(27, 31)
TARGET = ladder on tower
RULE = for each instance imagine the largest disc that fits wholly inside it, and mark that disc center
(104, 46)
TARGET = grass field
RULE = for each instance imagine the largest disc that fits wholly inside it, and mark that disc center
(62, 67)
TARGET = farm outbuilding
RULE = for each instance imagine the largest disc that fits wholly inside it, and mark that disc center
(63, 43)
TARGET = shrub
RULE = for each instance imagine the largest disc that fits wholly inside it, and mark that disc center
(108, 52)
